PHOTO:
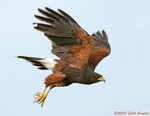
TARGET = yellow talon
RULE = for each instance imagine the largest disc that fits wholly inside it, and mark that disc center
(41, 96)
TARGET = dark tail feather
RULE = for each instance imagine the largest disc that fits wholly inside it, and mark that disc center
(34, 61)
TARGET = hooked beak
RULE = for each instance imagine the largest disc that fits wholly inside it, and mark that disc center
(101, 79)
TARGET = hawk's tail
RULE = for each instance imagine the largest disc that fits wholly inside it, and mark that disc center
(41, 63)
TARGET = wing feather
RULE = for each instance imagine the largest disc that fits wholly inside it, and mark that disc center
(69, 40)
(101, 48)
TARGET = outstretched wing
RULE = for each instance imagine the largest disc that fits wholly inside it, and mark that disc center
(101, 48)
(69, 41)
(61, 30)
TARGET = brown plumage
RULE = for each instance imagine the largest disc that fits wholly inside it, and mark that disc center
(78, 51)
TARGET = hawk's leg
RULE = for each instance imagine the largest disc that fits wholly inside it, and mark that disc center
(53, 80)
(41, 96)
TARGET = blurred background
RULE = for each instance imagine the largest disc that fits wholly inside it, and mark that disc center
(126, 70)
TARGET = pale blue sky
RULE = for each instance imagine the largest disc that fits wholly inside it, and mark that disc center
(126, 70)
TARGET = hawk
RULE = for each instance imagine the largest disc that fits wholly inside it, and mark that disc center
(78, 52)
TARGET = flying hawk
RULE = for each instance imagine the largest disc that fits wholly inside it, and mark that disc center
(78, 52)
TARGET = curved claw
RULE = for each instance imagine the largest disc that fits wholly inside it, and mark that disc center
(41, 96)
